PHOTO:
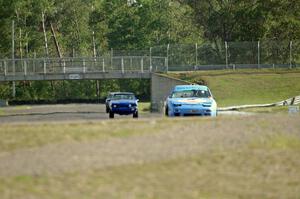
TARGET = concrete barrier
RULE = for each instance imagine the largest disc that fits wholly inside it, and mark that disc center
(3, 103)
(161, 86)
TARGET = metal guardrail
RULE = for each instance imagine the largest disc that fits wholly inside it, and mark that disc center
(291, 101)
(123, 64)
(296, 100)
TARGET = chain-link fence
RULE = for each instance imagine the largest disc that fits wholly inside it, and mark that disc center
(222, 55)
(171, 57)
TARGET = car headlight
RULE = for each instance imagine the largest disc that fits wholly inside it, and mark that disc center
(206, 105)
(114, 106)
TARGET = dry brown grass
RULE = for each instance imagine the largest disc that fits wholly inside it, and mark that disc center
(236, 157)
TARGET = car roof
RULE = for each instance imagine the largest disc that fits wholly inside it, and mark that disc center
(190, 87)
(121, 93)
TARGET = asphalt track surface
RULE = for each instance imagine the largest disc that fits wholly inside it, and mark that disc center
(60, 113)
(68, 113)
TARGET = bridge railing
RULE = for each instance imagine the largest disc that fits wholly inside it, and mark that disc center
(120, 64)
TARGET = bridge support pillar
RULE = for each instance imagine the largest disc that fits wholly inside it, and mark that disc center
(161, 86)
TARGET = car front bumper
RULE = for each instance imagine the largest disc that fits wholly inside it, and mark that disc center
(124, 110)
(193, 111)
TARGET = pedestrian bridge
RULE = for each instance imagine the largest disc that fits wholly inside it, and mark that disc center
(141, 67)
(81, 68)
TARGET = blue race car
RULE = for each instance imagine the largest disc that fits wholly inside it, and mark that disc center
(191, 100)
(122, 103)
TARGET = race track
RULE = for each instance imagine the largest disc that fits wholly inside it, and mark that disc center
(60, 113)
(70, 113)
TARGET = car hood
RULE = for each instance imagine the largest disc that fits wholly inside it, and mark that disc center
(192, 100)
(123, 101)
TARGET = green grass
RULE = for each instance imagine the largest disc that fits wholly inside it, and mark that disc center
(15, 108)
(22, 107)
(273, 109)
(144, 107)
(247, 86)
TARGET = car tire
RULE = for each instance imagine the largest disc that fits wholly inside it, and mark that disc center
(111, 114)
(166, 111)
(135, 115)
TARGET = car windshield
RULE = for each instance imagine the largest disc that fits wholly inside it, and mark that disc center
(191, 93)
(123, 96)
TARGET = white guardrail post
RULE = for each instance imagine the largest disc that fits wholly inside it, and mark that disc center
(45, 71)
(5, 68)
(150, 56)
(226, 54)
(258, 54)
(25, 67)
(103, 65)
(122, 65)
(83, 64)
(291, 56)
(64, 65)
(167, 60)
(142, 65)
(196, 57)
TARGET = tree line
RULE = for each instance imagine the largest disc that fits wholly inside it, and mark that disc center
(70, 28)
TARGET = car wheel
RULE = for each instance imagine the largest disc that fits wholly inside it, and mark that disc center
(166, 111)
(136, 114)
(111, 114)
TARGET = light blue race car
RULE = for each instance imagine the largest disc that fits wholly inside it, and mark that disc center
(191, 100)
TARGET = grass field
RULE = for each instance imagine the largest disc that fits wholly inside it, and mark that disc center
(241, 87)
(225, 157)
(234, 157)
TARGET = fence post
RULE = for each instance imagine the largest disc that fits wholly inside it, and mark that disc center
(258, 54)
(142, 65)
(150, 59)
(196, 65)
(5, 68)
(25, 68)
(103, 65)
(111, 57)
(45, 71)
(226, 54)
(33, 62)
(167, 59)
(13, 47)
(83, 63)
(13, 59)
(291, 57)
(122, 64)
(64, 65)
